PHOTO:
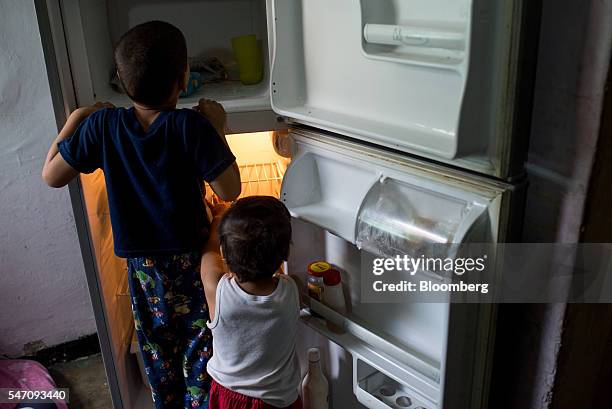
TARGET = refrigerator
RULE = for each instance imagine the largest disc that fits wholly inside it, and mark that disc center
(416, 111)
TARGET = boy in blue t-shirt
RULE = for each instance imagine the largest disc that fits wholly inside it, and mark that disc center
(155, 158)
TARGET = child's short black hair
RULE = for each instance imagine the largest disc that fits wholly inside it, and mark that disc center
(255, 234)
(151, 58)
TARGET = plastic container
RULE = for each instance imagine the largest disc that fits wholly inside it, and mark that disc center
(315, 283)
(248, 56)
(333, 293)
(333, 296)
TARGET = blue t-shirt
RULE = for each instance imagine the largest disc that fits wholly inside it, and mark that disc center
(153, 178)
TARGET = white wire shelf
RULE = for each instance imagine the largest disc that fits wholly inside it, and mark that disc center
(259, 179)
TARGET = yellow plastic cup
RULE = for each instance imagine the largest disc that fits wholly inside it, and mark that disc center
(248, 56)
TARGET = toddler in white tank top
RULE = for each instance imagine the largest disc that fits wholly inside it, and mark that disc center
(254, 310)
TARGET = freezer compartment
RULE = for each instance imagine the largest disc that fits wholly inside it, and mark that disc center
(93, 27)
(375, 389)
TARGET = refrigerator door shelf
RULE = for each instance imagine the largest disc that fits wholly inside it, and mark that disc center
(327, 191)
(405, 367)
(376, 204)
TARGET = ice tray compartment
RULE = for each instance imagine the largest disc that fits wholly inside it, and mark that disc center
(375, 389)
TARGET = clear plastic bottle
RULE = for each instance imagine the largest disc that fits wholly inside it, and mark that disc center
(315, 388)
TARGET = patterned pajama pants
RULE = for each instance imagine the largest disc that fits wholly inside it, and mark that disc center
(170, 316)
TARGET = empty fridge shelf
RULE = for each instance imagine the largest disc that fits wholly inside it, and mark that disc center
(401, 365)
(234, 96)
(259, 179)
(400, 354)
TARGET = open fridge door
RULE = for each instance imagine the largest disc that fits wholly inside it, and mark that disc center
(433, 78)
(351, 203)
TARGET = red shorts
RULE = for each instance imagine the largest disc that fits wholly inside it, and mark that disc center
(222, 398)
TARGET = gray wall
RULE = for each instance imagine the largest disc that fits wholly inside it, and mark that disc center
(573, 62)
(43, 293)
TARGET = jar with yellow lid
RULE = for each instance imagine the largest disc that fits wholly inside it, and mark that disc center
(316, 271)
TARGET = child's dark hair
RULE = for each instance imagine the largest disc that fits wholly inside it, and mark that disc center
(255, 234)
(151, 58)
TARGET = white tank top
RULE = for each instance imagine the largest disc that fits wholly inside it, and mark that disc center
(254, 341)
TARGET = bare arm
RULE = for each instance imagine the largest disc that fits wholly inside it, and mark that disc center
(212, 267)
(56, 172)
(227, 185)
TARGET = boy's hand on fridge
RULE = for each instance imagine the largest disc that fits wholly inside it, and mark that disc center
(219, 209)
(56, 171)
(213, 240)
(214, 112)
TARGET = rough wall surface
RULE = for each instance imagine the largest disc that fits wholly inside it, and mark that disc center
(43, 293)
(573, 61)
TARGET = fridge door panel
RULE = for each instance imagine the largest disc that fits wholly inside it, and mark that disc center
(434, 78)
(408, 345)
(433, 353)
(112, 280)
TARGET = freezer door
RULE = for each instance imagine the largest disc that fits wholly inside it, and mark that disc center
(435, 78)
(349, 203)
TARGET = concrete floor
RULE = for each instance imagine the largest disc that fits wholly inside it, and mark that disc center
(86, 379)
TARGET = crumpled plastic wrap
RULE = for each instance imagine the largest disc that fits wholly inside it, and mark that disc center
(211, 69)
(389, 226)
(204, 70)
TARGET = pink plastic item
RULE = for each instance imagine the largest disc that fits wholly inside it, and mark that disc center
(25, 375)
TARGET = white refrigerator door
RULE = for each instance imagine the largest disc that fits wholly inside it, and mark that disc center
(430, 77)
(434, 354)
